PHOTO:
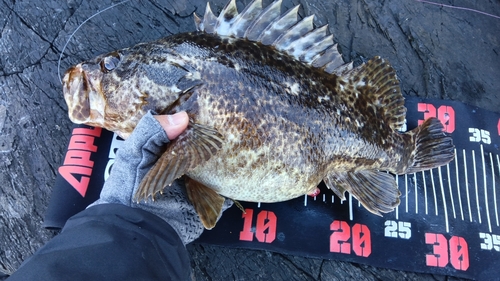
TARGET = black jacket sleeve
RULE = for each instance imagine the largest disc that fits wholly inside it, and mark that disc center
(110, 242)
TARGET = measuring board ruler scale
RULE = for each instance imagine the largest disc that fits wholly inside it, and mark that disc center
(447, 222)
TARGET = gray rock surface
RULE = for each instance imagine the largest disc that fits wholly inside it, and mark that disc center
(437, 52)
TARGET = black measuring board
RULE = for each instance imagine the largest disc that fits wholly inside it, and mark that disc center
(447, 221)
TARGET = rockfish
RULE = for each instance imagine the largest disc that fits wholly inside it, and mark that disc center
(273, 110)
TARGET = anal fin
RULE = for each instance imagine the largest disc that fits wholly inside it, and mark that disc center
(333, 183)
(377, 191)
(194, 146)
(207, 203)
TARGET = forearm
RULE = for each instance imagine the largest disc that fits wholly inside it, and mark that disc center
(110, 242)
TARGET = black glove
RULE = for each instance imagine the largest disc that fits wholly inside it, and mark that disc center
(133, 160)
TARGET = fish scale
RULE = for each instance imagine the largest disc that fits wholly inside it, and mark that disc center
(273, 109)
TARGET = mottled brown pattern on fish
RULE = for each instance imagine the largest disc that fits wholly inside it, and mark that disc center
(276, 124)
(286, 124)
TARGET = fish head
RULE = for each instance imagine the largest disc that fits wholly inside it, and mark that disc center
(115, 90)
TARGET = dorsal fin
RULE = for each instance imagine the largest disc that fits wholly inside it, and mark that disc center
(286, 33)
(377, 81)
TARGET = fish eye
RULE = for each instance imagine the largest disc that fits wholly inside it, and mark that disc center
(110, 62)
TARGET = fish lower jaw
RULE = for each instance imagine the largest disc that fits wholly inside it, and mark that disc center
(95, 119)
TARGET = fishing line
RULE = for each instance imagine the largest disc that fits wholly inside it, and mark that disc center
(72, 34)
(458, 8)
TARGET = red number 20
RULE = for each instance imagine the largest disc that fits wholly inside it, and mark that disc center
(361, 239)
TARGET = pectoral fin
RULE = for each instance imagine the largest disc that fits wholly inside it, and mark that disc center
(376, 190)
(193, 147)
(207, 203)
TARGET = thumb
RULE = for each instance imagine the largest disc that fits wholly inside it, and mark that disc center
(173, 125)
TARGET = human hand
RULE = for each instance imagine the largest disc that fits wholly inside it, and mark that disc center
(173, 125)
(135, 158)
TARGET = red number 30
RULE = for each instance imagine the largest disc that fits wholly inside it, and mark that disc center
(458, 251)
(445, 114)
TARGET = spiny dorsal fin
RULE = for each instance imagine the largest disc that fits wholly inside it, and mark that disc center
(244, 20)
(298, 39)
(208, 22)
(377, 81)
(226, 19)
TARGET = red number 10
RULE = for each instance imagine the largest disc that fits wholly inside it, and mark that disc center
(498, 126)
(265, 229)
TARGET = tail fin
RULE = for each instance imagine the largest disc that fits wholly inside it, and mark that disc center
(433, 148)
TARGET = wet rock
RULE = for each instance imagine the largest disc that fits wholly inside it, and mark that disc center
(437, 52)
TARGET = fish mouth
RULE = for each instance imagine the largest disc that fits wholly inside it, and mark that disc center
(83, 96)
